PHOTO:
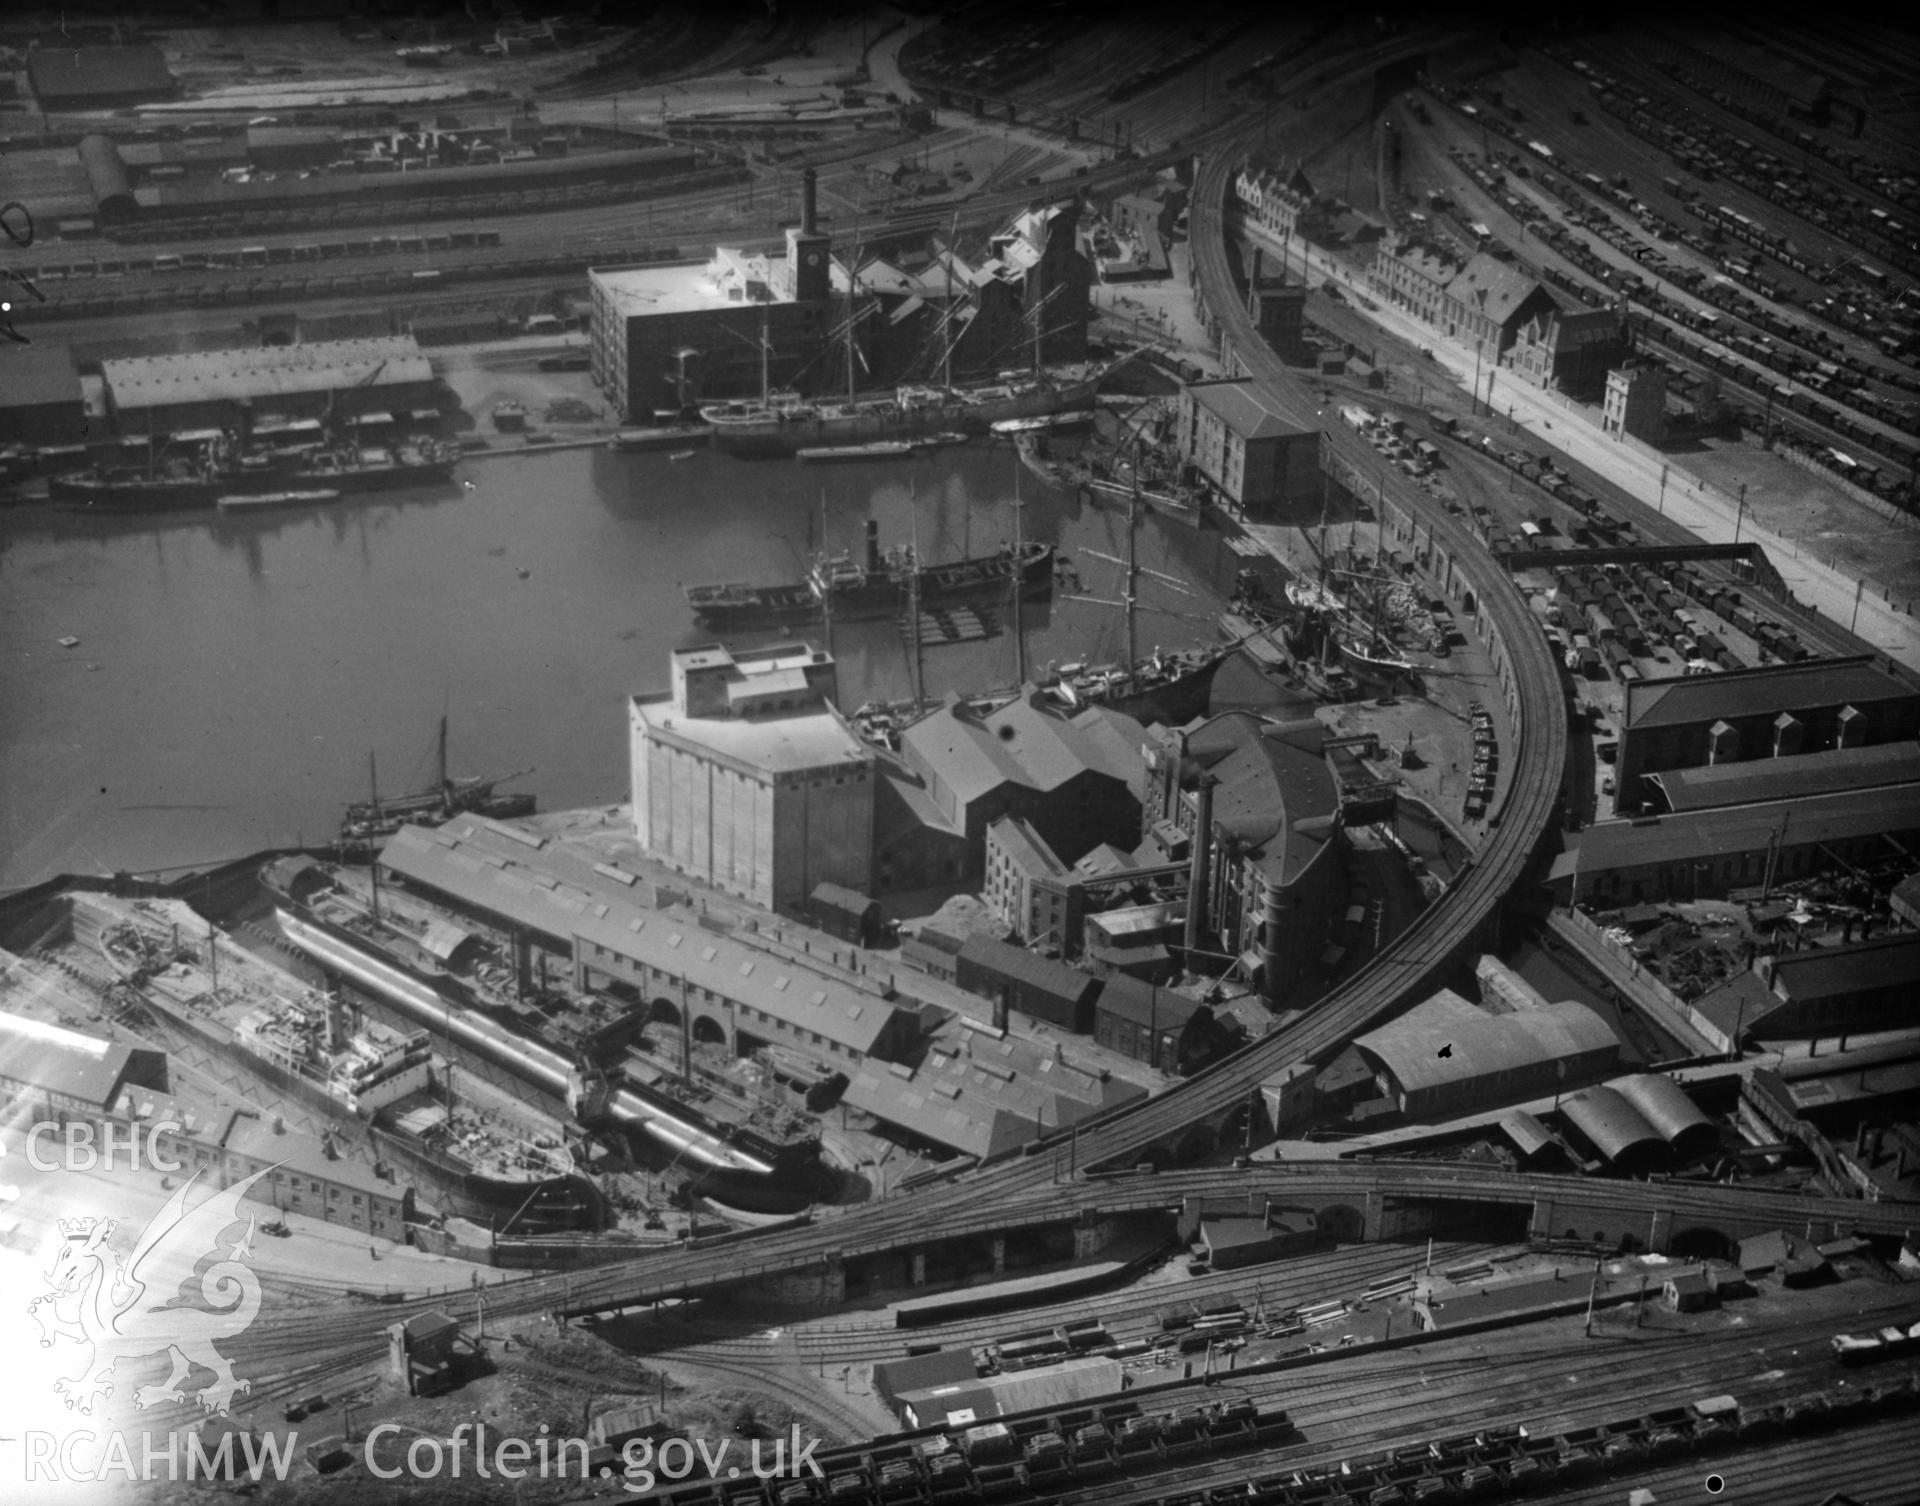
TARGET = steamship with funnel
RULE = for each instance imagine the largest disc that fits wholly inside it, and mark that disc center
(468, 1149)
(409, 964)
(879, 585)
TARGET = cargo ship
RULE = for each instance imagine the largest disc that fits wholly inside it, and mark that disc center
(782, 424)
(877, 586)
(203, 482)
(467, 1149)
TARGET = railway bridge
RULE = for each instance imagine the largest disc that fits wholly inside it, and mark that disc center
(828, 1260)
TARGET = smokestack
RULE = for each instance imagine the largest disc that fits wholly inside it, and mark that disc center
(1000, 1010)
(1254, 282)
(1200, 864)
(807, 202)
(873, 545)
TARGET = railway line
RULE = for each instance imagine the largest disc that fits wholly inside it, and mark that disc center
(1543, 1391)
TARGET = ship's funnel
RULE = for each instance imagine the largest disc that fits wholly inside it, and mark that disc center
(807, 202)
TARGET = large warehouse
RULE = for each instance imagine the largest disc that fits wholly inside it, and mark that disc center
(1778, 711)
(239, 389)
(1447, 1057)
(98, 78)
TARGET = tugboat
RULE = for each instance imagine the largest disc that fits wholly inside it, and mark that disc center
(375, 819)
(874, 587)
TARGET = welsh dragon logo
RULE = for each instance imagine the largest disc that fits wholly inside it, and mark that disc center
(125, 1309)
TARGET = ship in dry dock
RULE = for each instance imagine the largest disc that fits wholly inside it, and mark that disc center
(451, 976)
(467, 1149)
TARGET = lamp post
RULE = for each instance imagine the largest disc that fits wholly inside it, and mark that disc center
(1740, 516)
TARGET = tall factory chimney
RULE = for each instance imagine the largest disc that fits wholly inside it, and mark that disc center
(874, 561)
(1200, 864)
(807, 249)
(1000, 1009)
(1253, 286)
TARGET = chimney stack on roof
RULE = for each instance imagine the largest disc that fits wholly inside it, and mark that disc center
(807, 201)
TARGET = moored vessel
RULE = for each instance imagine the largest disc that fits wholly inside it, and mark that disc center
(877, 585)
(783, 426)
(467, 1150)
(378, 817)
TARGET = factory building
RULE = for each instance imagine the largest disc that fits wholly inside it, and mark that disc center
(1772, 712)
(981, 1093)
(1874, 766)
(40, 398)
(249, 390)
(1446, 1057)
(1259, 805)
(98, 78)
(1257, 450)
(1231, 1241)
(745, 775)
(667, 337)
(1820, 991)
(1705, 854)
(1636, 402)
(741, 991)
(1169, 1031)
(1025, 982)
(1072, 777)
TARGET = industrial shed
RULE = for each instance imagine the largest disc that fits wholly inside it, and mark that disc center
(98, 78)
(1613, 1127)
(1048, 1387)
(107, 179)
(893, 1379)
(40, 398)
(229, 388)
(1664, 1104)
(1034, 985)
(846, 913)
(1446, 1056)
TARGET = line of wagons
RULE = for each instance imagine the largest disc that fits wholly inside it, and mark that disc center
(1012, 1460)
(1037, 1458)
(1890, 1342)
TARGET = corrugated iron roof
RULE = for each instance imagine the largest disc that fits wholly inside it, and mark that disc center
(1478, 1044)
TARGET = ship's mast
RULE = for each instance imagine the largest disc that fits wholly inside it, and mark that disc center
(913, 599)
(825, 558)
(446, 788)
(373, 785)
(1039, 308)
(946, 357)
(766, 350)
(1019, 565)
(1133, 555)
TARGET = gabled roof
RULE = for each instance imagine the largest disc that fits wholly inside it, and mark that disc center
(1870, 767)
(1128, 998)
(1808, 685)
(1251, 410)
(1025, 742)
(1830, 972)
(1496, 288)
(1029, 968)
